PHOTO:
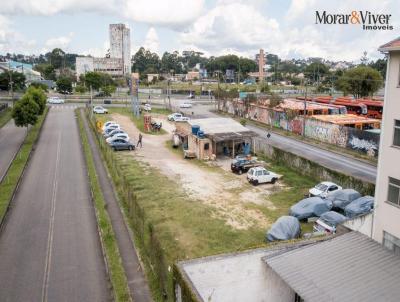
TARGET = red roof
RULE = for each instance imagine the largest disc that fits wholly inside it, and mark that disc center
(392, 45)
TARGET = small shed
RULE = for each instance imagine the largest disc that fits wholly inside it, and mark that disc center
(213, 137)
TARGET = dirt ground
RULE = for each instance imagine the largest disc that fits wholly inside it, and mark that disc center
(215, 185)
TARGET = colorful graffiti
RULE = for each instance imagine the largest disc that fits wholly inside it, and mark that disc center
(368, 146)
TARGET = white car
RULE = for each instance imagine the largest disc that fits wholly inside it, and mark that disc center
(323, 189)
(113, 132)
(175, 115)
(259, 175)
(124, 136)
(110, 128)
(55, 100)
(100, 110)
(182, 119)
(147, 107)
(185, 105)
(106, 124)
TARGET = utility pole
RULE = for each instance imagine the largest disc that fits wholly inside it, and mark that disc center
(305, 110)
(91, 101)
(11, 82)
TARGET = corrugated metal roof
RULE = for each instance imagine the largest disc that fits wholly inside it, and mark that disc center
(351, 267)
(392, 45)
(215, 125)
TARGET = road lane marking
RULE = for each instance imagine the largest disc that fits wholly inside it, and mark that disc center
(46, 277)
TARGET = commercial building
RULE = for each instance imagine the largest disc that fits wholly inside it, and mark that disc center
(387, 194)
(27, 69)
(118, 63)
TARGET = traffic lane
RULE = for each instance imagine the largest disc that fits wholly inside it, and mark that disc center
(69, 267)
(11, 138)
(77, 270)
(326, 158)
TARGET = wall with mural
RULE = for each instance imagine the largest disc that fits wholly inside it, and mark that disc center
(346, 137)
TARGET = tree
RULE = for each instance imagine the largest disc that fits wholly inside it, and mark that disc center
(18, 80)
(80, 89)
(64, 84)
(145, 61)
(360, 81)
(56, 58)
(39, 85)
(46, 70)
(38, 96)
(96, 80)
(108, 90)
(171, 61)
(316, 70)
(25, 112)
(274, 100)
(379, 65)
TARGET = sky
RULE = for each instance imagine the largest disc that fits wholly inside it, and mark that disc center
(285, 27)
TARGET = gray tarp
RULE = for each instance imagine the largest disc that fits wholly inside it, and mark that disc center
(310, 207)
(341, 198)
(285, 228)
(359, 206)
(333, 218)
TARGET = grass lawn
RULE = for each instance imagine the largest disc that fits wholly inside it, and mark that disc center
(5, 116)
(139, 122)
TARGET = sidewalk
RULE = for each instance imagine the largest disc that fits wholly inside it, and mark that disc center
(137, 282)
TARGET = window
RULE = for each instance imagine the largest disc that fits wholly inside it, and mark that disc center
(396, 135)
(391, 242)
(394, 191)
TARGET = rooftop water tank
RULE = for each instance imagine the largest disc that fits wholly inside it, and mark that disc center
(195, 129)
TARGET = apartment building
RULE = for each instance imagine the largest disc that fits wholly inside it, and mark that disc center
(386, 229)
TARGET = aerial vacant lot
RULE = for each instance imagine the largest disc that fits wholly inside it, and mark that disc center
(201, 208)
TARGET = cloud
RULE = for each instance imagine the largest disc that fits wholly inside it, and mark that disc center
(242, 27)
(62, 42)
(171, 13)
(151, 41)
(12, 41)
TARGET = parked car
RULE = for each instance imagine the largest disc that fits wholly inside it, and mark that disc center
(323, 189)
(191, 96)
(113, 132)
(328, 222)
(124, 136)
(55, 100)
(341, 198)
(110, 128)
(107, 101)
(147, 107)
(362, 205)
(285, 228)
(310, 207)
(182, 119)
(108, 123)
(100, 110)
(244, 165)
(175, 115)
(100, 94)
(185, 105)
(259, 175)
(121, 144)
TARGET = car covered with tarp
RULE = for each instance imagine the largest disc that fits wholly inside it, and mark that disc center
(341, 198)
(285, 228)
(310, 207)
(328, 222)
(360, 206)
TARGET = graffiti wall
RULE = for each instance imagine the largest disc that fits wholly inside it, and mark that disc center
(345, 137)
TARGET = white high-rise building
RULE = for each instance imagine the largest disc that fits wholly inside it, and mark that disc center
(120, 45)
(387, 194)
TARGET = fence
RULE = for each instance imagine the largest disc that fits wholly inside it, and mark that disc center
(3, 106)
(345, 137)
(145, 232)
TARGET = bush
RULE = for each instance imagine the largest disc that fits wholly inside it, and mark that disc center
(80, 89)
(243, 121)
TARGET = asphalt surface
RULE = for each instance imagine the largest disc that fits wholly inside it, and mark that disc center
(49, 246)
(11, 138)
(137, 282)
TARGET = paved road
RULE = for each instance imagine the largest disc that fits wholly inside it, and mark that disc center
(11, 138)
(332, 160)
(49, 246)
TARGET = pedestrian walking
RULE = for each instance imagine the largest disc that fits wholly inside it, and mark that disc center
(139, 140)
(268, 135)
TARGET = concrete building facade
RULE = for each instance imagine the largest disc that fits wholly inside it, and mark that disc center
(120, 45)
(387, 195)
(111, 66)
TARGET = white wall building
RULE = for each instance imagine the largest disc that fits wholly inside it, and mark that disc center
(387, 194)
(120, 45)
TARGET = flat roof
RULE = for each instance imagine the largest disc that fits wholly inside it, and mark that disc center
(218, 125)
(350, 267)
(342, 119)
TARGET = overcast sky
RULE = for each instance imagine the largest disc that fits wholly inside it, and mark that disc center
(284, 27)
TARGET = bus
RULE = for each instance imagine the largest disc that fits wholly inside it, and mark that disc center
(352, 106)
(374, 108)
